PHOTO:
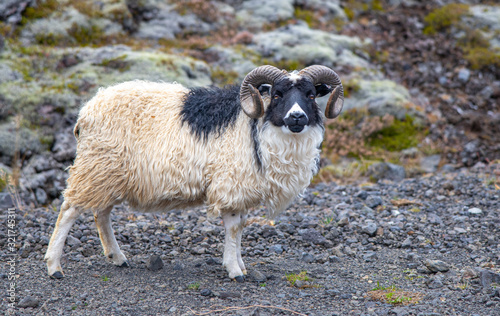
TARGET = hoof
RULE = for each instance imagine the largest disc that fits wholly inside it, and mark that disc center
(240, 279)
(57, 275)
(125, 264)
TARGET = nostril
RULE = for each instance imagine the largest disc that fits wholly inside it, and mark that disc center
(297, 115)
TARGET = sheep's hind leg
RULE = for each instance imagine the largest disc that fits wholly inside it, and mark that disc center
(233, 225)
(238, 243)
(108, 240)
(66, 219)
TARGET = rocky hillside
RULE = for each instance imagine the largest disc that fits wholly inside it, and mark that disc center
(422, 80)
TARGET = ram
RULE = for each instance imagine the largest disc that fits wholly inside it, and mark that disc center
(161, 146)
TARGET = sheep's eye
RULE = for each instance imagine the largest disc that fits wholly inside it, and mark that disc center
(278, 95)
(312, 96)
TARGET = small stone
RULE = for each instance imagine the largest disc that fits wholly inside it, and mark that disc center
(430, 164)
(370, 256)
(225, 295)
(475, 211)
(361, 194)
(373, 201)
(257, 276)
(276, 249)
(155, 263)
(436, 265)
(370, 229)
(299, 284)
(343, 222)
(435, 283)
(28, 301)
(206, 292)
(73, 242)
(384, 170)
(407, 243)
(312, 235)
(41, 196)
(307, 257)
(6, 200)
(487, 277)
(464, 75)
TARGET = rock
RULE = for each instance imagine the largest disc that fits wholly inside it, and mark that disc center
(28, 301)
(370, 256)
(25, 141)
(373, 201)
(430, 164)
(256, 13)
(488, 277)
(464, 75)
(64, 145)
(436, 265)
(370, 229)
(6, 200)
(206, 292)
(299, 42)
(361, 194)
(257, 276)
(307, 257)
(278, 249)
(155, 263)
(384, 170)
(383, 97)
(225, 295)
(41, 196)
(268, 231)
(299, 284)
(435, 282)
(407, 243)
(11, 10)
(475, 211)
(285, 227)
(73, 242)
(312, 235)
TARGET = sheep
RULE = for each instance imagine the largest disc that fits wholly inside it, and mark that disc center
(162, 146)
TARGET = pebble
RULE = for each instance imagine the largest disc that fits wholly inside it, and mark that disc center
(257, 276)
(278, 249)
(487, 277)
(206, 292)
(475, 211)
(464, 75)
(28, 301)
(436, 265)
(374, 201)
(155, 263)
(370, 229)
(307, 257)
(225, 295)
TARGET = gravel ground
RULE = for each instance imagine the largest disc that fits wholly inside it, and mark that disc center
(434, 240)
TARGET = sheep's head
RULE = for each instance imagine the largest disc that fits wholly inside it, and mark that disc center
(292, 95)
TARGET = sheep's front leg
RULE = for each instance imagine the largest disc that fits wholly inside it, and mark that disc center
(243, 218)
(233, 225)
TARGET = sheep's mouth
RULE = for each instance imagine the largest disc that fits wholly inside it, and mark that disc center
(296, 128)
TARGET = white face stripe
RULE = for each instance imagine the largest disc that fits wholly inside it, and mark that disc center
(296, 108)
(294, 77)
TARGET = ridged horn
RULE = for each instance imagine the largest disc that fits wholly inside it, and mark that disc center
(250, 98)
(324, 75)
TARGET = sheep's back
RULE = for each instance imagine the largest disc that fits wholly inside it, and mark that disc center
(133, 147)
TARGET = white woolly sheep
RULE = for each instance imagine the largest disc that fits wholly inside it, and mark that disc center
(162, 146)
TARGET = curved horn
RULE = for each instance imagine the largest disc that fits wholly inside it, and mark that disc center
(251, 101)
(324, 75)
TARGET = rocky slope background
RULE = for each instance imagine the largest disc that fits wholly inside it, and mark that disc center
(422, 85)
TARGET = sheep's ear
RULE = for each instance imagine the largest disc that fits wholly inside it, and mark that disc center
(255, 108)
(265, 88)
(322, 90)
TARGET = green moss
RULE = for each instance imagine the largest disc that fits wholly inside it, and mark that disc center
(49, 39)
(482, 57)
(222, 78)
(43, 9)
(307, 16)
(351, 86)
(85, 35)
(398, 136)
(444, 17)
(3, 182)
(119, 63)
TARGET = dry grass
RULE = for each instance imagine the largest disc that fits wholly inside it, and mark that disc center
(395, 297)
